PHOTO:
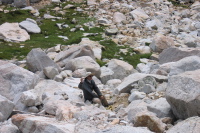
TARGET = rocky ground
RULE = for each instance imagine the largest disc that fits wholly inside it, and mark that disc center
(40, 4)
(160, 95)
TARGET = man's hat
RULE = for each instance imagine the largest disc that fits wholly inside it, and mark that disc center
(89, 74)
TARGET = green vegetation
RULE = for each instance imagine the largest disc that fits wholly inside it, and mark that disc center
(50, 32)
(100, 62)
(112, 50)
(178, 4)
(14, 16)
(147, 44)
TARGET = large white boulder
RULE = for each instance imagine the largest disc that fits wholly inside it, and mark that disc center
(148, 119)
(111, 31)
(96, 47)
(120, 68)
(63, 110)
(134, 108)
(161, 42)
(175, 54)
(37, 60)
(154, 24)
(195, 5)
(14, 80)
(11, 32)
(113, 83)
(73, 82)
(139, 14)
(79, 73)
(185, 25)
(91, 2)
(163, 69)
(148, 80)
(87, 112)
(50, 72)
(37, 124)
(136, 95)
(85, 62)
(190, 63)
(174, 29)
(126, 85)
(8, 127)
(183, 94)
(30, 98)
(118, 17)
(30, 26)
(143, 49)
(21, 3)
(125, 129)
(147, 88)
(191, 40)
(197, 25)
(48, 88)
(103, 21)
(191, 124)
(106, 74)
(145, 67)
(73, 52)
(160, 107)
(103, 2)
(92, 119)
(135, 104)
(6, 108)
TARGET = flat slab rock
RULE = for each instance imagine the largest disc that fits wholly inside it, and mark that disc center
(175, 54)
(126, 129)
(12, 32)
(39, 124)
(126, 85)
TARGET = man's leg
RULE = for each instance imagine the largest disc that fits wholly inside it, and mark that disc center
(104, 102)
(96, 100)
(101, 101)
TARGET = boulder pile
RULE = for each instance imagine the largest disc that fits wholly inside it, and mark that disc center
(160, 95)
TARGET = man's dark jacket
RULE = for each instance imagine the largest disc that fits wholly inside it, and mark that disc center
(88, 89)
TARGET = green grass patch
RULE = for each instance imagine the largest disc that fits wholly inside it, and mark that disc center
(50, 32)
(14, 16)
(178, 4)
(135, 58)
(112, 50)
(13, 51)
(100, 62)
(147, 44)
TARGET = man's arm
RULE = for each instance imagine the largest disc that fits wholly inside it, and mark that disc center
(83, 86)
(96, 89)
(81, 83)
(89, 90)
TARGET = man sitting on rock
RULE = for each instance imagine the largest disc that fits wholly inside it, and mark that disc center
(88, 86)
